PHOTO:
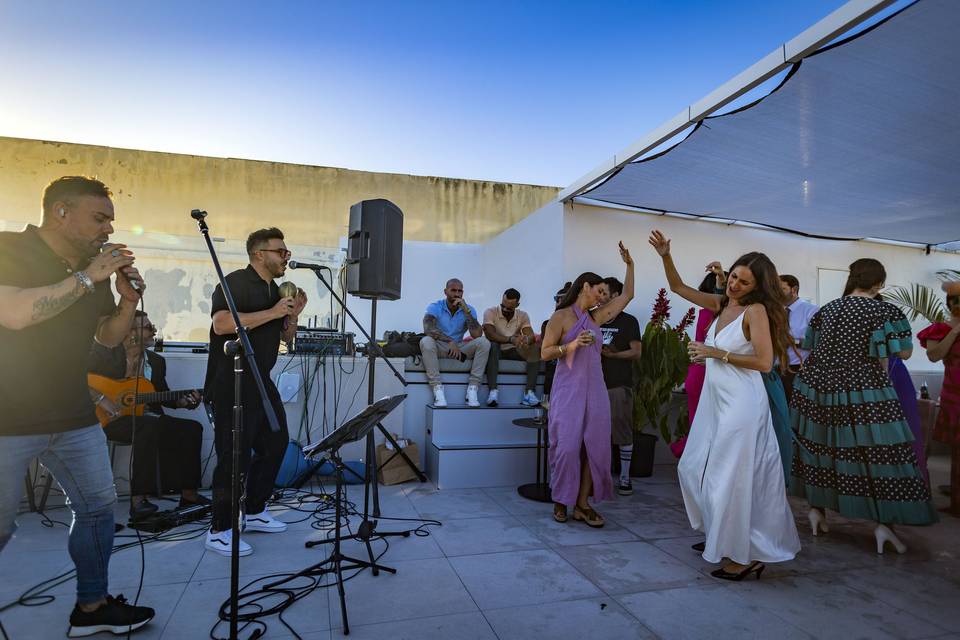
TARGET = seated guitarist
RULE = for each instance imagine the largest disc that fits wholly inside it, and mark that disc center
(177, 441)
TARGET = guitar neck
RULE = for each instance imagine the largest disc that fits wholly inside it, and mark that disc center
(162, 396)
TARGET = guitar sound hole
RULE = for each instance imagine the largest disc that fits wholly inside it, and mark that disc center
(127, 400)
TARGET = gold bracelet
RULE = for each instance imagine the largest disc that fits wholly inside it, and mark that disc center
(726, 358)
(561, 349)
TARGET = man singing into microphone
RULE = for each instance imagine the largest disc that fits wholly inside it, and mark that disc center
(268, 319)
(55, 300)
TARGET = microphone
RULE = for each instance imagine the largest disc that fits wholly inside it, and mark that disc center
(134, 284)
(198, 215)
(293, 264)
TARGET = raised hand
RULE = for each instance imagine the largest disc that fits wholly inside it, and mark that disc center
(113, 258)
(126, 276)
(625, 254)
(715, 268)
(659, 242)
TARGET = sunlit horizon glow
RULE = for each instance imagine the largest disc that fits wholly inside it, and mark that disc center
(536, 94)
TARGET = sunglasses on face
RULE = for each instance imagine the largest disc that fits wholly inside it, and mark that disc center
(283, 253)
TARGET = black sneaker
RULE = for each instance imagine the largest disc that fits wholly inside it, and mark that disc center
(201, 500)
(143, 510)
(625, 487)
(116, 616)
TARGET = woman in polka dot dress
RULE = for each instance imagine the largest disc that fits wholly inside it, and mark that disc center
(855, 452)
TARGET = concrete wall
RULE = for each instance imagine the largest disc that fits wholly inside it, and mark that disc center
(154, 193)
(426, 268)
(529, 258)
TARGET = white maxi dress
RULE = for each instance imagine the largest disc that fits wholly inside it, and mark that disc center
(731, 475)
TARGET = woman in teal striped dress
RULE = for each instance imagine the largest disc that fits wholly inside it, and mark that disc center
(855, 453)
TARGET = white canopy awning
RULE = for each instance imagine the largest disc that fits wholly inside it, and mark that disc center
(861, 140)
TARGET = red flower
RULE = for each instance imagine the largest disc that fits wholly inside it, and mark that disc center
(685, 322)
(661, 308)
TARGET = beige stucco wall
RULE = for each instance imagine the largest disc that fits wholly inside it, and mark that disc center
(156, 191)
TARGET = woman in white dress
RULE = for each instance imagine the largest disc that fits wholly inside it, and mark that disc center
(731, 474)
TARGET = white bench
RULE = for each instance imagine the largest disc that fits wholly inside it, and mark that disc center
(466, 446)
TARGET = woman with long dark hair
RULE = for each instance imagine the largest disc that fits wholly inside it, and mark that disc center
(855, 450)
(731, 474)
(579, 417)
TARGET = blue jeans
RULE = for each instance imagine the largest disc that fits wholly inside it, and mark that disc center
(79, 461)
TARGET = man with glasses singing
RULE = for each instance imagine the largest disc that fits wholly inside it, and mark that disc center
(164, 446)
(511, 338)
(268, 319)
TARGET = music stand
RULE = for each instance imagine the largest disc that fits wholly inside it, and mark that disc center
(352, 430)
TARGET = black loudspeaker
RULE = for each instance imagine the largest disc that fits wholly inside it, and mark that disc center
(375, 250)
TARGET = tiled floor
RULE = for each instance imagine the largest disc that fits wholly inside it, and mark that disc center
(500, 567)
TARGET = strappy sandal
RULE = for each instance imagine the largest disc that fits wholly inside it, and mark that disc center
(559, 512)
(589, 516)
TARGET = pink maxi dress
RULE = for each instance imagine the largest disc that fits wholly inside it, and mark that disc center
(693, 385)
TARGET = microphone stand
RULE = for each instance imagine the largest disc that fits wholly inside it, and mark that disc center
(238, 348)
(372, 352)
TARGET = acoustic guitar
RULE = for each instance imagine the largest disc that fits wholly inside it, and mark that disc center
(130, 395)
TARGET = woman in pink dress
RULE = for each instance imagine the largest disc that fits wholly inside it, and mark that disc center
(940, 341)
(579, 418)
(713, 282)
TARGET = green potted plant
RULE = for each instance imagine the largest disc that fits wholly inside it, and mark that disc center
(662, 367)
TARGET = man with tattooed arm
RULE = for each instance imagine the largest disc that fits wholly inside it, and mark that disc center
(55, 299)
(445, 323)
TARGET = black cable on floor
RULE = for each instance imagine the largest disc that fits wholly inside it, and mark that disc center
(273, 594)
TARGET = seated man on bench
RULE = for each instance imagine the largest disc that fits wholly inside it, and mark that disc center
(511, 338)
(445, 322)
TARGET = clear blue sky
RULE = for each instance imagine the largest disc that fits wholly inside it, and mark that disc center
(514, 91)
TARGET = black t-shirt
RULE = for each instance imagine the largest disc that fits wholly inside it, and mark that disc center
(43, 367)
(618, 333)
(251, 294)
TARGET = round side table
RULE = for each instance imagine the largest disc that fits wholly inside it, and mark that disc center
(539, 490)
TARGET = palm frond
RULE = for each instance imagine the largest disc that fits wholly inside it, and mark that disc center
(917, 301)
(948, 275)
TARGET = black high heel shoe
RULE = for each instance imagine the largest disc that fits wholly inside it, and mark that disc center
(753, 567)
(700, 546)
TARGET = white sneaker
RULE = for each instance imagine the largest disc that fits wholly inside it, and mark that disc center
(222, 542)
(530, 399)
(264, 522)
(492, 398)
(439, 399)
(472, 400)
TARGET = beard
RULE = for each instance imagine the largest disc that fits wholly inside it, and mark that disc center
(88, 248)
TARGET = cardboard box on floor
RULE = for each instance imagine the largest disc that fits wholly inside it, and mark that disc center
(393, 469)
